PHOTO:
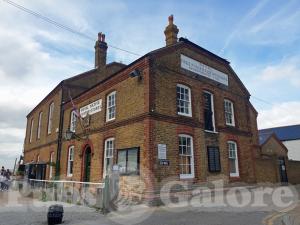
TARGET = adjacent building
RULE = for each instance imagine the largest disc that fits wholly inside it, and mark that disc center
(178, 112)
(289, 136)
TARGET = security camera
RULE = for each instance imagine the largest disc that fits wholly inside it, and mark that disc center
(135, 73)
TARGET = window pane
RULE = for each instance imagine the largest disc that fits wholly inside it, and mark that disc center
(232, 166)
(132, 166)
(122, 161)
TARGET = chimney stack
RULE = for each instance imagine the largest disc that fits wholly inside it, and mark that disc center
(171, 32)
(100, 51)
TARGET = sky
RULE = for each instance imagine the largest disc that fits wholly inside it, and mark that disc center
(261, 39)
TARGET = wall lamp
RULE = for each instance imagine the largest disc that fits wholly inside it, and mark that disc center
(69, 135)
(136, 73)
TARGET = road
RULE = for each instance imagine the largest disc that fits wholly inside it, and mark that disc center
(31, 212)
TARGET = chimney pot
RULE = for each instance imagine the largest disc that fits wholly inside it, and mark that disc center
(100, 51)
(171, 32)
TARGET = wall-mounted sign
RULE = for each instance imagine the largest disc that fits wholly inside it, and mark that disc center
(91, 108)
(203, 70)
(164, 162)
(162, 151)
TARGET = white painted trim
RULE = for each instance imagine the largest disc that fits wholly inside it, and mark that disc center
(105, 149)
(68, 166)
(232, 110)
(190, 114)
(237, 173)
(107, 113)
(192, 175)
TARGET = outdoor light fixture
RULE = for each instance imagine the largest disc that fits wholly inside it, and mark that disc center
(135, 73)
(72, 135)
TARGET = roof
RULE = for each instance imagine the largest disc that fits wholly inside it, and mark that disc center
(284, 133)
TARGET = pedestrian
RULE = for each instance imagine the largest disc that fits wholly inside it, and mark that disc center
(2, 182)
(2, 171)
(7, 174)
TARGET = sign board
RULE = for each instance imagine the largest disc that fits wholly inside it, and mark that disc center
(162, 151)
(91, 108)
(203, 70)
(164, 162)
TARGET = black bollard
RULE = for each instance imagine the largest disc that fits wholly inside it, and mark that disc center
(55, 214)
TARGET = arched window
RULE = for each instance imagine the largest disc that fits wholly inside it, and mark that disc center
(70, 161)
(233, 159)
(186, 156)
(50, 117)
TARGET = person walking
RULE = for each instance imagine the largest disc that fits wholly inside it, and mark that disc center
(2, 171)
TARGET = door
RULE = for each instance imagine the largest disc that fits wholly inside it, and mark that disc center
(282, 170)
(87, 165)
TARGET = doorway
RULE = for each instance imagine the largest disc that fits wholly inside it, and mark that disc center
(282, 170)
(87, 165)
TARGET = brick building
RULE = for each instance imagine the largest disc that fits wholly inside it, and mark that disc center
(179, 111)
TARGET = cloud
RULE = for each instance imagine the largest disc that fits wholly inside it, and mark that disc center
(286, 70)
(280, 114)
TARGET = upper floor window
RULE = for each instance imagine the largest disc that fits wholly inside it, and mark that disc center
(31, 130)
(233, 159)
(209, 117)
(108, 155)
(50, 117)
(184, 106)
(38, 158)
(73, 121)
(39, 125)
(229, 113)
(70, 161)
(111, 106)
(186, 156)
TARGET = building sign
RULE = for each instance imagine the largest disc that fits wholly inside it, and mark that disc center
(162, 151)
(164, 162)
(203, 70)
(91, 109)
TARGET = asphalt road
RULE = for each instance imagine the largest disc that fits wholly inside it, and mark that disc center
(29, 212)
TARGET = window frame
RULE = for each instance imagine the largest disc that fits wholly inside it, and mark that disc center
(50, 118)
(50, 166)
(31, 130)
(189, 114)
(192, 165)
(112, 139)
(69, 160)
(108, 107)
(232, 113)
(73, 121)
(39, 125)
(137, 173)
(237, 173)
(213, 113)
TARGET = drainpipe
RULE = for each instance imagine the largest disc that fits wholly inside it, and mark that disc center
(60, 134)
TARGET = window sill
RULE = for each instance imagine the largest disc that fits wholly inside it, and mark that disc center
(110, 120)
(183, 114)
(186, 177)
(230, 125)
(212, 132)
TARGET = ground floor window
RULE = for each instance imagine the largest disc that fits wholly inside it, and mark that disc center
(108, 155)
(213, 156)
(233, 159)
(128, 161)
(186, 157)
(70, 161)
(51, 166)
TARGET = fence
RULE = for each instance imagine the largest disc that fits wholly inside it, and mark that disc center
(90, 194)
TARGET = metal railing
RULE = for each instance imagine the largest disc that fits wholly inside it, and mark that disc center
(73, 192)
